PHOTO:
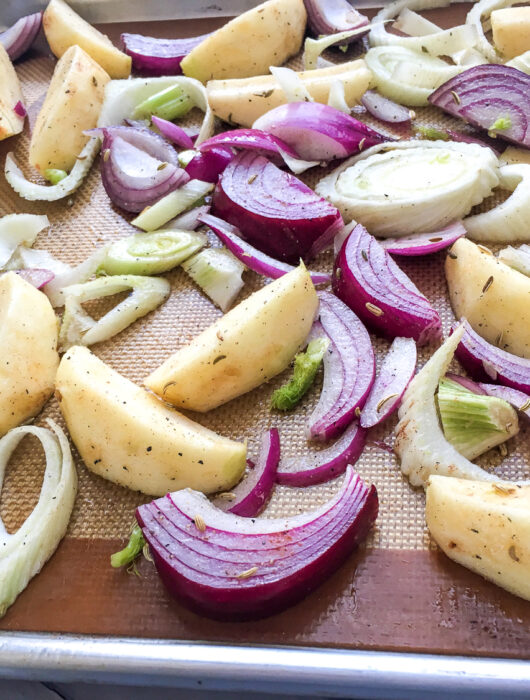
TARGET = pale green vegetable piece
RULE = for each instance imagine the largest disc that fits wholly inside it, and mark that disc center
(170, 103)
(79, 328)
(24, 553)
(132, 549)
(151, 253)
(218, 273)
(474, 423)
(173, 204)
(55, 175)
(306, 366)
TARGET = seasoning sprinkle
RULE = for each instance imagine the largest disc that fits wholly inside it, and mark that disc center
(412, 114)
(513, 554)
(218, 359)
(220, 335)
(498, 339)
(502, 490)
(365, 256)
(252, 178)
(357, 411)
(147, 554)
(106, 155)
(484, 249)
(488, 284)
(435, 240)
(525, 406)
(456, 98)
(162, 166)
(453, 256)
(361, 144)
(373, 309)
(383, 401)
(248, 573)
(503, 449)
(199, 523)
(227, 496)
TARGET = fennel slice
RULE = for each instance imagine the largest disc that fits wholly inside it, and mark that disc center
(218, 274)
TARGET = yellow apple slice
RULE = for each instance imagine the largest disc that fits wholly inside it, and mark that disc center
(10, 94)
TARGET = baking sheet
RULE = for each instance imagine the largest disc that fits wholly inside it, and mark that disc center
(396, 593)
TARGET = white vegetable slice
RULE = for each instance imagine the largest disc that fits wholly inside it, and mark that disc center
(79, 328)
(19, 230)
(416, 85)
(33, 192)
(521, 62)
(218, 274)
(420, 443)
(24, 553)
(517, 258)
(413, 24)
(395, 189)
(477, 16)
(26, 258)
(337, 97)
(173, 204)
(508, 221)
(74, 275)
(291, 84)
(123, 96)
(314, 47)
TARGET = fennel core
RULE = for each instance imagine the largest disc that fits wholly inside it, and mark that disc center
(306, 366)
(133, 549)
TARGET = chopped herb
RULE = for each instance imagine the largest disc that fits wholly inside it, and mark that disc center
(501, 124)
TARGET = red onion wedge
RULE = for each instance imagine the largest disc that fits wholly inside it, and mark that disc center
(210, 165)
(492, 97)
(36, 276)
(486, 362)
(228, 567)
(250, 496)
(349, 369)
(274, 210)
(151, 56)
(367, 279)
(396, 372)
(20, 36)
(252, 140)
(325, 464)
(173, 132)
(132, 178)
(333, 16)
(518, 399)
(384, 109)
(20, 110)
(250, 256)
(424, 243)
(317, 131)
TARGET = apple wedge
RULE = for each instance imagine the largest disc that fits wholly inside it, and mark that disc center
(492, 296)
(483, 526)
(28, 357)
(249, 345)
(130, 437)
(10, 94)
(72, 104)
(65, 28)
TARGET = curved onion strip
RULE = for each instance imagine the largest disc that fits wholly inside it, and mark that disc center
(74, 275)
(424, 243)
(151, 56)
(420, 443)
(349, 369)
(517, 258)
(18, 38)
(467, 383)
(225, 566)
(291, 84)
(140, 137)
(413, 24)
(384, 109)
(332, 17)
(481, 140)
(507, 221)
(401, 207)
(337, 97)
(251, 139)
(326, 464)
(422, 74)
(486, 362)
(393, 378)
(380, 293)
(17, 230)
(253, 258)
(250, 496)
(314, 47)
(24, 553)
(78, 328)
(274, 210)
(518, 399)
(442, 43)
(172, 132)
(188, 221)
(31, 191)
(123, 96)
(480, 12)
(38, 277)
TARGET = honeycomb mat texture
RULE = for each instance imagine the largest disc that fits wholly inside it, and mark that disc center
(88, 220)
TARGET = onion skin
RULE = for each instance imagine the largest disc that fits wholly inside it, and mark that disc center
(267, 565)
(424, 243)
(487, 363)
(326, 464)
(333, 16)
(209, 165)
(251, 139)
(367, 279)
(274, 210)
(251, 494)
(486, 92)
(156, 57)
(20, 36)
(172, 132)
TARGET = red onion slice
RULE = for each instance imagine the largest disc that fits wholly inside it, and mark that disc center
(349, 369)
(228, 567)
(518, 399)
(36, 276)
(210, 165)
(325, 464)
(384, 109)
(483, 94)
(467, 383)
(250, 496)
(139, 137)
(333, 16)
(424, 243)
(20, 36)
(252, 140)
(482, 140)
(250, 256)
(486, 362)
(274, 210)
(396, 372)
(173, 132)
(317, 131)
(369, 282)
(20, 110)
(151, 56)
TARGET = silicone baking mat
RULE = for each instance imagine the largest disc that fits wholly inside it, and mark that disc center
(396, 593)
